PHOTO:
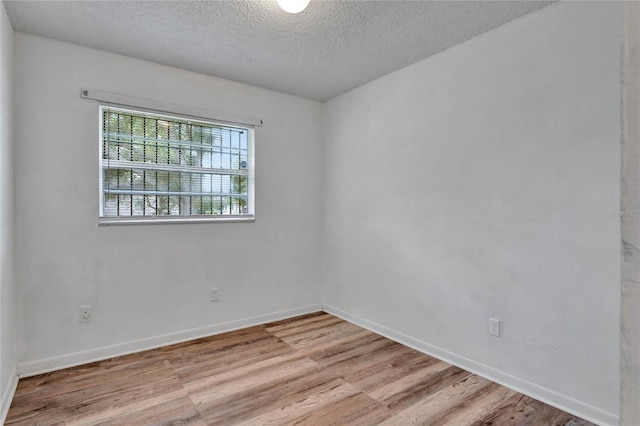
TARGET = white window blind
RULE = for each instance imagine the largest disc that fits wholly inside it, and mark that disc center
(156, 167)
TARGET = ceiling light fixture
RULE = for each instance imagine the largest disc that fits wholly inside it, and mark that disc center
(293, 6)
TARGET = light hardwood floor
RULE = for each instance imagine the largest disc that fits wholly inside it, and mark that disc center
(314, 369)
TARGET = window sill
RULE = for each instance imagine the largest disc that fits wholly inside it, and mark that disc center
(163, 220)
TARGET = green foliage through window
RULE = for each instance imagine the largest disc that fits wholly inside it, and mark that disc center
(155, 165)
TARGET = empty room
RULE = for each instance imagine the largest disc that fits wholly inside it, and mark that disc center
(320, 212)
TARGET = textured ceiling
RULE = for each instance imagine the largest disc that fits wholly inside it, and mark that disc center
(331, 47)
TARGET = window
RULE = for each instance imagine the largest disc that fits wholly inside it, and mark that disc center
(167, 168)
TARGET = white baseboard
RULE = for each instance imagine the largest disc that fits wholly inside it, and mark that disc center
(7, 396)
(548, 396)
(32, 368)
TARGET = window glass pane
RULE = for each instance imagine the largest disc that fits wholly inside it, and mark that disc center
(155, 165)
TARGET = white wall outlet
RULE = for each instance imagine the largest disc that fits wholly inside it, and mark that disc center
(494, 327)
(85, 313)
(215, 295)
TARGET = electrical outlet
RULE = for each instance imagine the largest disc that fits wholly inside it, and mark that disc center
(494, 327)
(84, 313)
(215, 295)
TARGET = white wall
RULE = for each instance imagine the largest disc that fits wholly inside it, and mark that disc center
(475, 184)
(630, 222)
(8, 298)
(153, 280)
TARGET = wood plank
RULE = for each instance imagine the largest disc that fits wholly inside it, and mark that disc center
(330, 351)
(422, 389)
(317, 336)
(175, 412)
(300, 319)
(114, 388)
(434, 407)
(526, 411)
(393, 373)
(396, 362)
(50, 382)
(192, 369)
(220, 343)
(358, 409)
(263, 398)
(477, 406)
(234, 381)
(336, 390)
(406, 384)
(310, 324)
(155, 407)
(350, 356)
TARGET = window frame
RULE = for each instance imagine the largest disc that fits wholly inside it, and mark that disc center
(165, 219)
